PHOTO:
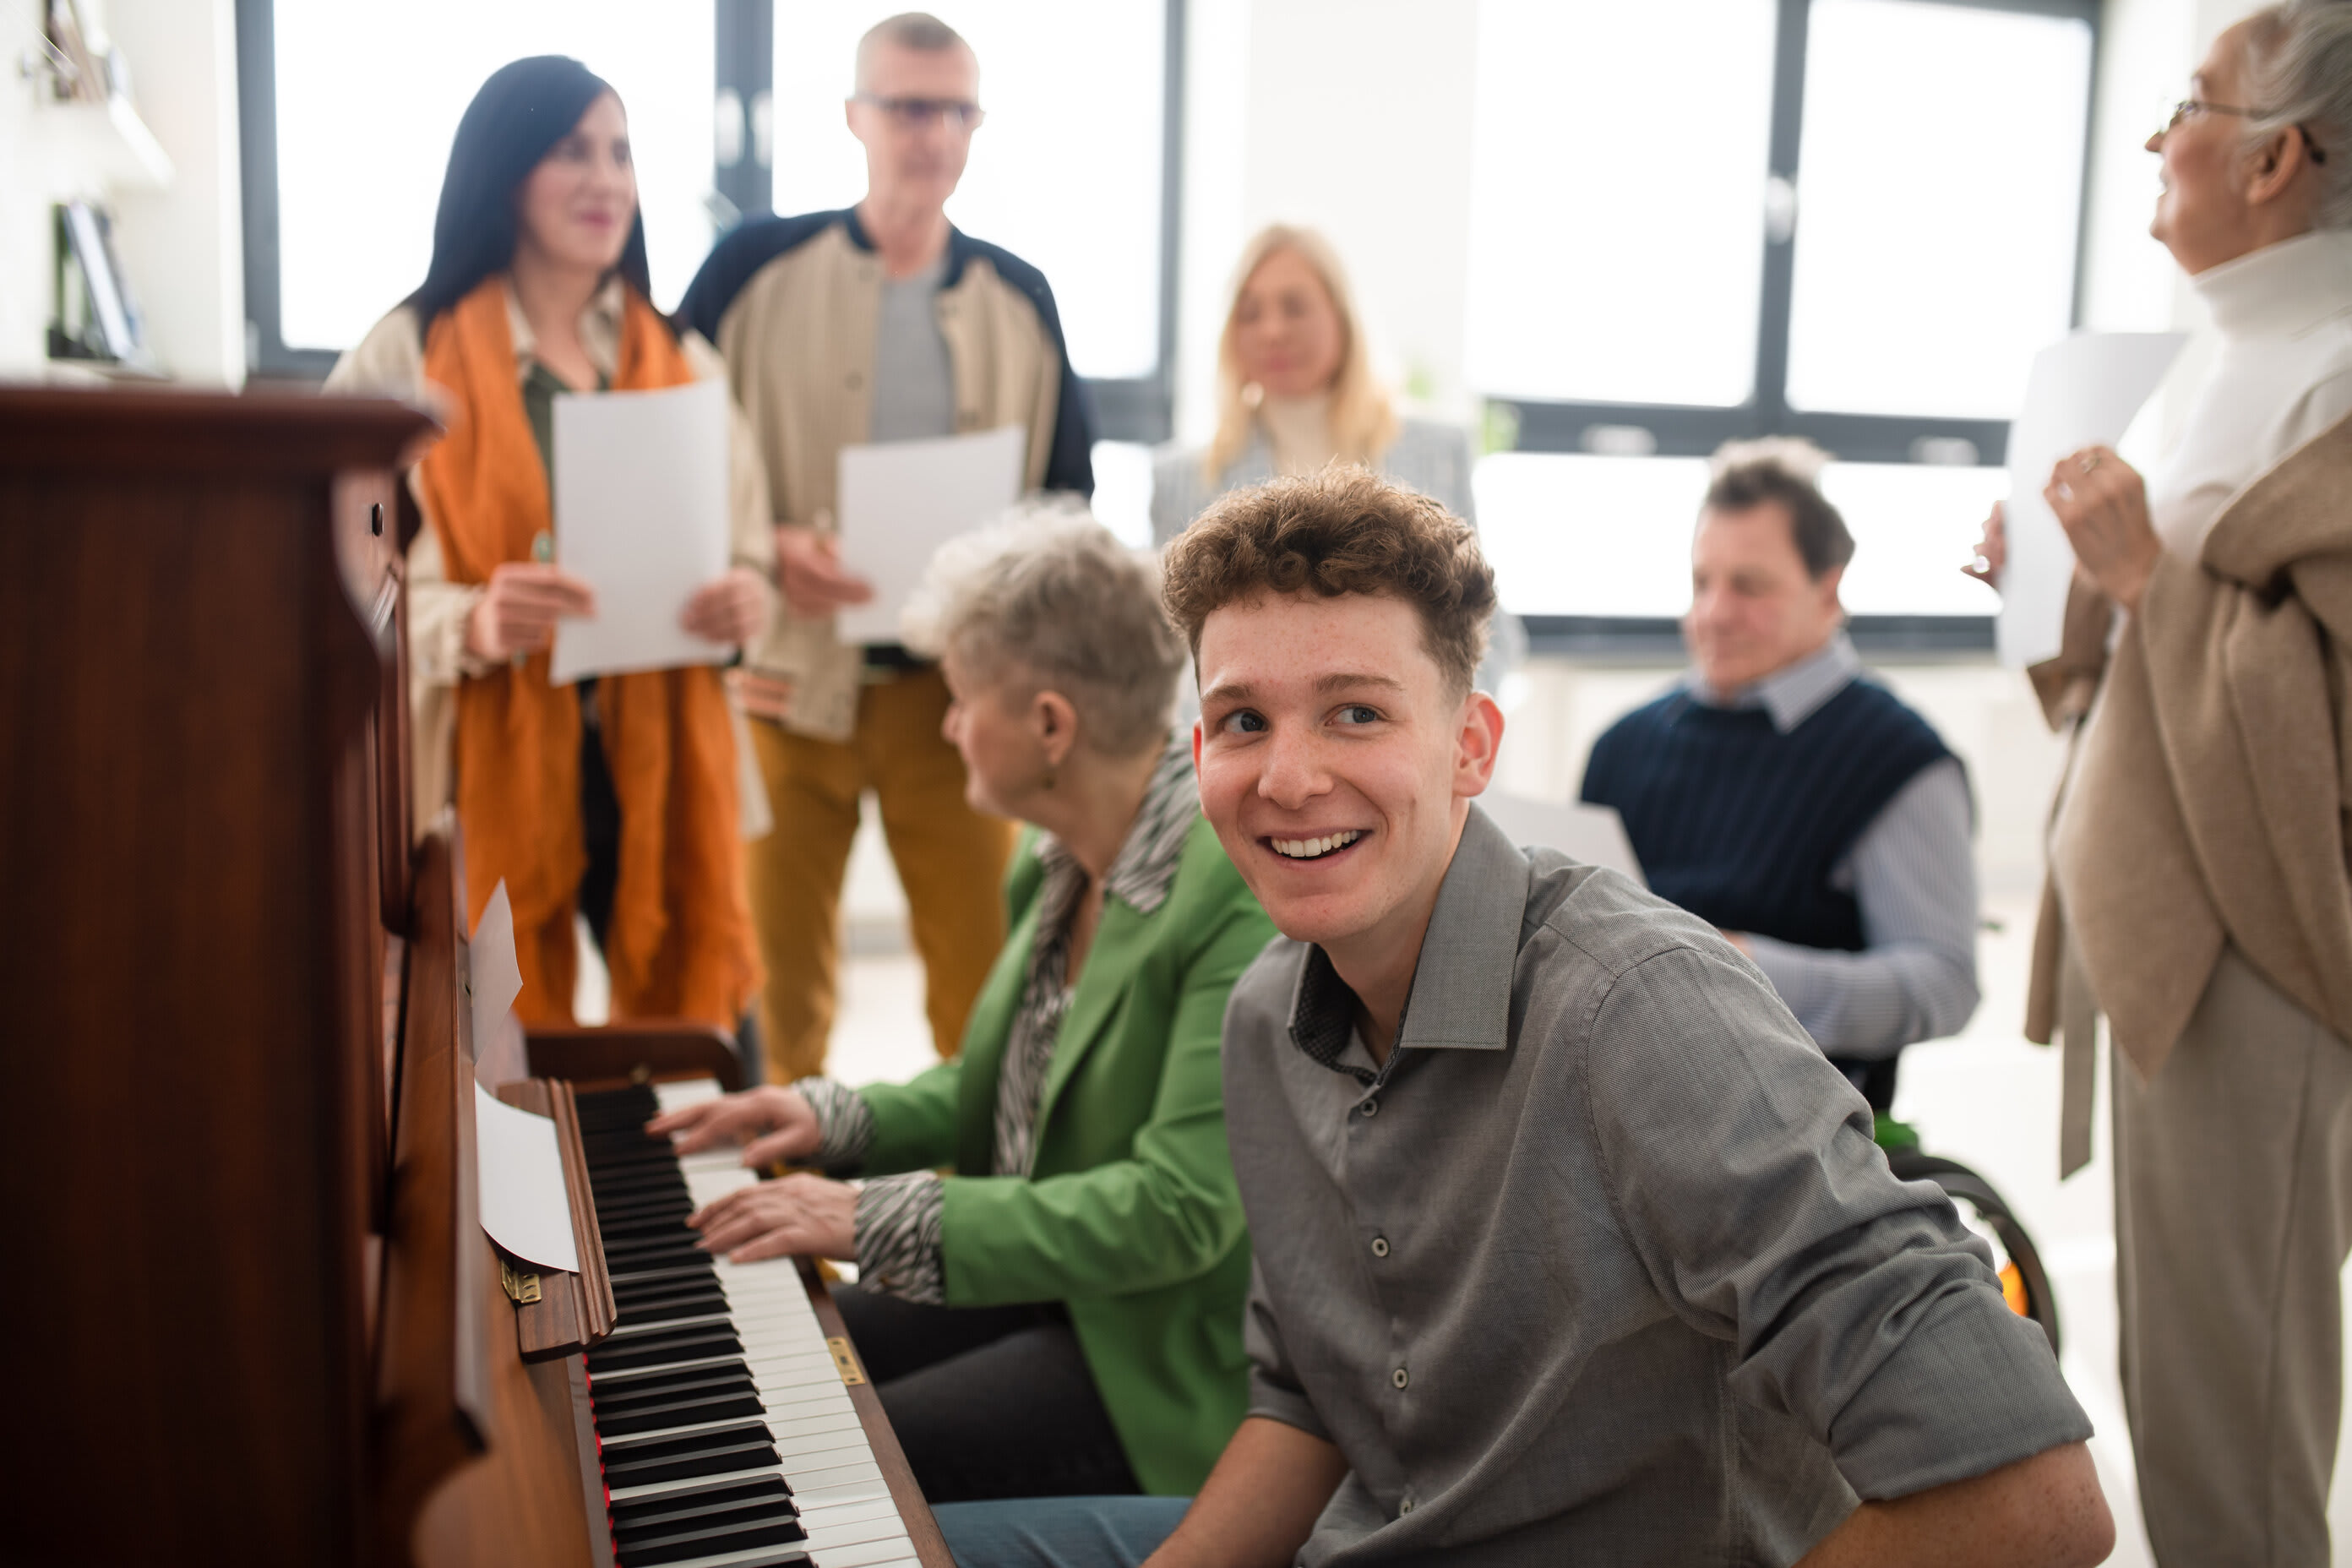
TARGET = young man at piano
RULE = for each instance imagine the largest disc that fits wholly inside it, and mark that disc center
(1570, 1246)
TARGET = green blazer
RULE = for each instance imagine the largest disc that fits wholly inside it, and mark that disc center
(1130, 1219)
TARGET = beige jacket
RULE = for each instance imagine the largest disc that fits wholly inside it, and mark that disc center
(2209, 801)
(794, 304)
(390, 362)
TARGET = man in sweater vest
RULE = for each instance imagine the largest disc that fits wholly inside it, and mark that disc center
(1800, 808)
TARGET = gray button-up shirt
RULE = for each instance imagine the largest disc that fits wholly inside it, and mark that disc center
(1603, 1266)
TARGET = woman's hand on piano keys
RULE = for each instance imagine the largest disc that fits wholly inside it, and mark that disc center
(797, 1214)
(773, 1123)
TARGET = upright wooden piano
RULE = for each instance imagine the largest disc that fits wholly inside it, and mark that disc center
(250, 1313)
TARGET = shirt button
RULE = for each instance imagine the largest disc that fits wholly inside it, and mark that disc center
(1379, 1247)
(1399, 1377)
(1371, 1107)
(1405, 1507)
(856, 381)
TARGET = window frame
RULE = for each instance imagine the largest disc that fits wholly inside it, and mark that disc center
(1681, 430)
(1135, 408)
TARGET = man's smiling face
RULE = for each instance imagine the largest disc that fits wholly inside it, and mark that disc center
(1335, 765)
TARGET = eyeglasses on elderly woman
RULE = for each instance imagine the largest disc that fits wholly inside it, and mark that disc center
(2192, 108)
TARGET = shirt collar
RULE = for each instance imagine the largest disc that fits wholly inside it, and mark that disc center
(2281, 290)
(599, 330)
(1792, 694)
(960, 247)
(1461, 997)
(1141, 872)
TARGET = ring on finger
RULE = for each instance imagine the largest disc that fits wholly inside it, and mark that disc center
(2088, 461)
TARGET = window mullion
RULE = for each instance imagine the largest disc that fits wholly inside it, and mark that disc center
(743, 80)
(1780, 231)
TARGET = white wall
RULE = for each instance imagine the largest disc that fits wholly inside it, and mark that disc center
(185, 247)
(25, 247)
(181, 246)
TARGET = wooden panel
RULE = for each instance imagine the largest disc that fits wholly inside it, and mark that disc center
(123, 430)
(634, 1051)
(165, 969)
(913, 1512)
(573, 1311)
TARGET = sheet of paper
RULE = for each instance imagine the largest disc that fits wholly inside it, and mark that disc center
(640, 515)
(525, 1206)
(1592, 833)
(2083, 392)
(900, 500)
(500, 1054)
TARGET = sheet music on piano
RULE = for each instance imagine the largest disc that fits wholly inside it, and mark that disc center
(728, 1431)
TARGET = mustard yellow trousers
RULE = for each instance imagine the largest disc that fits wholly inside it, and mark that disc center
(950, 862)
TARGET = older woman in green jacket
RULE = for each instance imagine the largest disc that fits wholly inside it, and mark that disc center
(1062, 1313)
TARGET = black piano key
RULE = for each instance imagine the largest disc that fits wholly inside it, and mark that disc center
(719, 1458)
(654, 1350)
(682, 1543)
(688, 1502)
(690, 1411)
(639, 1386)
(620, 1398)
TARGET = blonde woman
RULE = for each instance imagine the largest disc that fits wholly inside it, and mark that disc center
(1295, 390)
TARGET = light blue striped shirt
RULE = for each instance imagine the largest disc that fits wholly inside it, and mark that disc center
(1912, 871)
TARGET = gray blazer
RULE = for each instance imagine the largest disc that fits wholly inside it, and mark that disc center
(1430, 457)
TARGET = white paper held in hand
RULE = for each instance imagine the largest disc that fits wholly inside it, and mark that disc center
(900, 501)
(641, 517)
(2083, 392)
(496, 979)
(525, 1206)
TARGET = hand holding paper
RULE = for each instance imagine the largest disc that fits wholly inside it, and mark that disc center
(900, 500)
(2083, 392)
(641, 519)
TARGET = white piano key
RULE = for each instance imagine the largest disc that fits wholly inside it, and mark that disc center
(820, 1498)
(890, 1548)
(819, 1477)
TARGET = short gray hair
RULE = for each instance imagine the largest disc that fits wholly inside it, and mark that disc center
(918, 30)
(2299, 74)
(1048, 597)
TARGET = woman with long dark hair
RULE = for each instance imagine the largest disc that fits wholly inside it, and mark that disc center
(618, 799)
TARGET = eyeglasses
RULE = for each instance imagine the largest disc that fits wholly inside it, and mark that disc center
(914, 113)
(2190, 107)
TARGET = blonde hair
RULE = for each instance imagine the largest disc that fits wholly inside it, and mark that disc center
(1363, 421)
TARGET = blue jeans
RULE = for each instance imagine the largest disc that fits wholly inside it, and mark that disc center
(1058, 1532)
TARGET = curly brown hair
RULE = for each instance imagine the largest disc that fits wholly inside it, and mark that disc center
(1342, 531)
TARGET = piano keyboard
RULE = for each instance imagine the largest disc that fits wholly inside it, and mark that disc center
(726, 1435)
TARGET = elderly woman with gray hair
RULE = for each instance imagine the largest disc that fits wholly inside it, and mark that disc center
(2198, 891)
(1061, 1315)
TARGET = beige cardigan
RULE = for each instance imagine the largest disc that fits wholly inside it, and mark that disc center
(2208, 798)
(390, 362)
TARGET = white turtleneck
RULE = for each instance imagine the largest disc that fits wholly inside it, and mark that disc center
(2284, 375)
(1299, 431)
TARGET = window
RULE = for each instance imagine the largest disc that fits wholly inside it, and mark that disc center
(1851, 220)
(1073, 89)
(360, 153)
(733, 105)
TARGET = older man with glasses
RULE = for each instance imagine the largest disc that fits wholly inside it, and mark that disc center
(879, 323)
(2199, 893)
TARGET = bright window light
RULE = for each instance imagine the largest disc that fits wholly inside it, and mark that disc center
(1940, 181)
(1122, 501)
(1617, 192)
(360, 152)
(1914, 526)
(1066, 173)
(1575, 535)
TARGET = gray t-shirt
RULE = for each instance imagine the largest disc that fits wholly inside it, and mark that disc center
(1602, 1267)
(914, 384)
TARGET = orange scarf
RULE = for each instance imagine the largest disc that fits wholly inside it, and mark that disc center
(680, 941)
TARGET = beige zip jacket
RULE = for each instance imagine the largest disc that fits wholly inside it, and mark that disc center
(793, 304)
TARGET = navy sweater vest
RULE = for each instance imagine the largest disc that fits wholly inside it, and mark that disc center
(1742, 825)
